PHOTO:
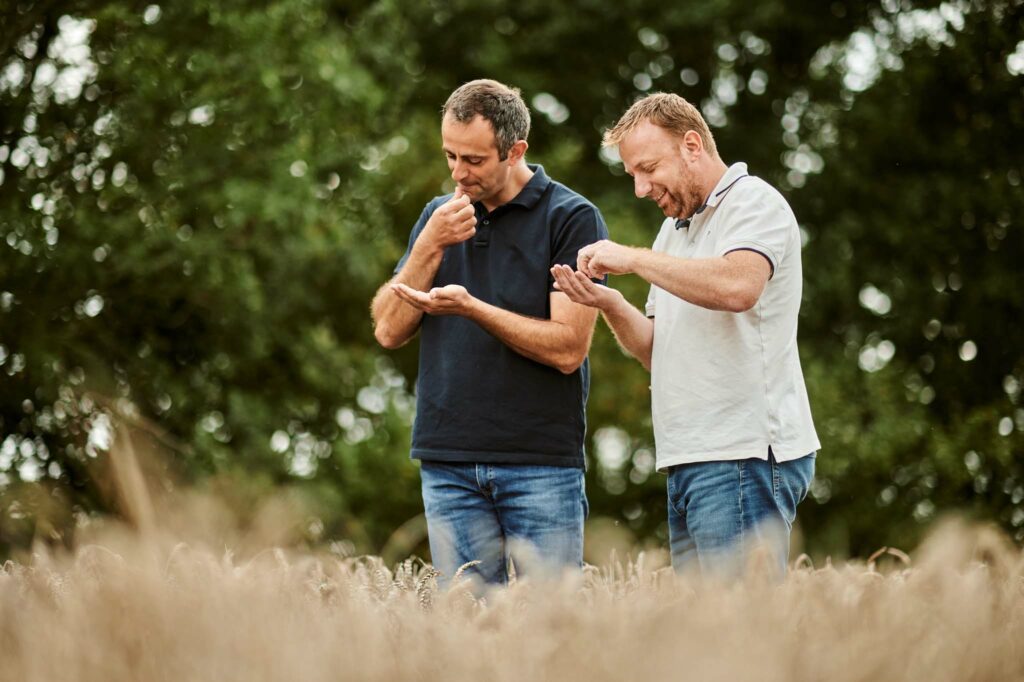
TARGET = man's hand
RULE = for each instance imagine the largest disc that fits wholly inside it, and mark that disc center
(580, 289)
(453, 222)
(450, 300)
(604, 258)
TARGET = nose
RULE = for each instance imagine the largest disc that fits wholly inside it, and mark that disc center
(459, 171)
(641, 187)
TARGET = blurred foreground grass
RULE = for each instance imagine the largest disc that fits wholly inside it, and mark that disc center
(179, 591)
(134, 607)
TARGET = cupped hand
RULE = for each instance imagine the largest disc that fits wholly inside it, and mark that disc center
(448, 300)
(581, 289)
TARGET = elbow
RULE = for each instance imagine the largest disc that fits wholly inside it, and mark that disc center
(385, 338)
(568, 363)
(646, 362)
(741, 300)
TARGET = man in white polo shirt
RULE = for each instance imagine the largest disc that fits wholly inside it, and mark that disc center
(732, 423)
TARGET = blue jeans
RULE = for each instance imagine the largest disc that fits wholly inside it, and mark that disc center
(492, 513)
(719, 511)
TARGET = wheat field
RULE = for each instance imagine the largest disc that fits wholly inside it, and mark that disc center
(147, 606)
(180, 591)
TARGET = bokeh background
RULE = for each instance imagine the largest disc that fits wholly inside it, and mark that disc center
(198, 200)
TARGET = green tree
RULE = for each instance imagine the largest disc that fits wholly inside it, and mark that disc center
(192, 228)
(198, 200)
(912, 314)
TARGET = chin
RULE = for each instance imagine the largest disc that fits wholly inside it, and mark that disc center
(670, 211)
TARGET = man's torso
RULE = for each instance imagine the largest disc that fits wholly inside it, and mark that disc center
(477, 399)
(729, 385)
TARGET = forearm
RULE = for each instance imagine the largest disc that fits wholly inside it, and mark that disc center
(548, 342)
(712, 283)
(395, 322)
(632, 329)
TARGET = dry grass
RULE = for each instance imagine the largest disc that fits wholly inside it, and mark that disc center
(182, 594)
(135, 608)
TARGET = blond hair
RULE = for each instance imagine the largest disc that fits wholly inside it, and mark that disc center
(665, 110)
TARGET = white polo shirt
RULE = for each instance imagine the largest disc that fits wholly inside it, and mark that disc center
(726, 386)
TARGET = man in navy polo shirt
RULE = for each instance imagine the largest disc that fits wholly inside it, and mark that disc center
(503, 372)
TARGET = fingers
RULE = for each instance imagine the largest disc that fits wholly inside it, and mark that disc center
(447, 300)
(450, 295)
(575, 285)
(583, 262)
(459, 200)
(585, 259)
(462, 221)
(590, 266)
(563, 280)
(464, 231)
(593, 260)
(465, 218)
(457, 204)
(417, 299)
(586, 284)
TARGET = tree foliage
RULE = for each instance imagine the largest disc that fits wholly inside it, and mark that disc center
(198, 200)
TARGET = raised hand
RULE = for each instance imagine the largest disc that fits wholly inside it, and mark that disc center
(453, 222)
(604, 258)
(580, 289)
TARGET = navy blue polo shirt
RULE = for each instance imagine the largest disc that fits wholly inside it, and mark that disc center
(477, 400)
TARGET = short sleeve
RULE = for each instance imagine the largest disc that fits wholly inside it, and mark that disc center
(763, 223)
(428, 211)
(583, 227)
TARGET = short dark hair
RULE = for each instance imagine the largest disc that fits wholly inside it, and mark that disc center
(500, 104)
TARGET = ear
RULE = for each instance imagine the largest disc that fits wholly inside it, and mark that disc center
(516, 152)
(692, 146)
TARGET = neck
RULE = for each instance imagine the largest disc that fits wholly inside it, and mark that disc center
(517, 180)
(716, 171)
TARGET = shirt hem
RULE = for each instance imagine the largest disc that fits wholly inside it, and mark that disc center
(485, 457)
(782, 453)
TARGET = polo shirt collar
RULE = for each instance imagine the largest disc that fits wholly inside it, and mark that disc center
(732, 174)
(531, 193)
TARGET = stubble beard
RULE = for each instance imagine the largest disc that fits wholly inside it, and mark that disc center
(693, 197)
(687, 199)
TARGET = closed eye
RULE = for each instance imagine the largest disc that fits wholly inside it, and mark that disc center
(471, 160)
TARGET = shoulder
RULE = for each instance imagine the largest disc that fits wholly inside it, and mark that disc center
(755, 191)
(571, 217)
(754, 199)
(561, 197)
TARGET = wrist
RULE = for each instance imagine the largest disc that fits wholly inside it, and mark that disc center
(612, 301)
(634, 257)
(472, 308)
(427, 247)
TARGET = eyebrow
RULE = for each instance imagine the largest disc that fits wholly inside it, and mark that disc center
(638, 166)
(465, 156)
